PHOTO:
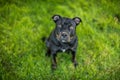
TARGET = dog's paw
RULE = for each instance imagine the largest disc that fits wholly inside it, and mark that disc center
(47, 54)
(53, 66)
(75, 64)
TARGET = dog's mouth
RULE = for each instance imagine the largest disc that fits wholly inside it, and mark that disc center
(63, 37)
(64, 41)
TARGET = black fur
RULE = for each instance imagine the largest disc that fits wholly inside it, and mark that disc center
(63, 38)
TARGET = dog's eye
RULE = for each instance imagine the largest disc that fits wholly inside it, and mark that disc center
(59, 26)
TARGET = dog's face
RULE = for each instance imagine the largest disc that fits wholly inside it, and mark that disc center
(65, 28)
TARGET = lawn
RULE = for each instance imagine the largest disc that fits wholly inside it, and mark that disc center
(24, 22)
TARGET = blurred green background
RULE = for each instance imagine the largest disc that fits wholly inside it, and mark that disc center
(24, 22)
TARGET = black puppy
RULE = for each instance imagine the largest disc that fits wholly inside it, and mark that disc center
(63, 38)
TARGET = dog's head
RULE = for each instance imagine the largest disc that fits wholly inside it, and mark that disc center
(65, 28)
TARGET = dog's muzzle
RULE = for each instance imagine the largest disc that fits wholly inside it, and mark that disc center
(64, 37)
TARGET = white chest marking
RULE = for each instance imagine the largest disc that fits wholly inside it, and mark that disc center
(63, 50)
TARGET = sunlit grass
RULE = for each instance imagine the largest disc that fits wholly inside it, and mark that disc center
(24, 23)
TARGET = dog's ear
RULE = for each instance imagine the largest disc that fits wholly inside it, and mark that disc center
(56, 17)
(77, 20)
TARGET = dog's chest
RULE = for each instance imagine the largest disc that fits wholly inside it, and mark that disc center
(63, 50)
(64, 47)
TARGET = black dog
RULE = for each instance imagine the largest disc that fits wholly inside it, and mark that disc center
(63, 38)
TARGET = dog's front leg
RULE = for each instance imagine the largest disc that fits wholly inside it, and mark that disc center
(54, 63)
(74, 59)
(48, 53)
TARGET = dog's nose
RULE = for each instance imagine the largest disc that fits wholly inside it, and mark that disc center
(64, 35)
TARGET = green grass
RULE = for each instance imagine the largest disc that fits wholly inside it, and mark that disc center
(24, 22)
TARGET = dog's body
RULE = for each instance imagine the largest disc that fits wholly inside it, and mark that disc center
(63, 38)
